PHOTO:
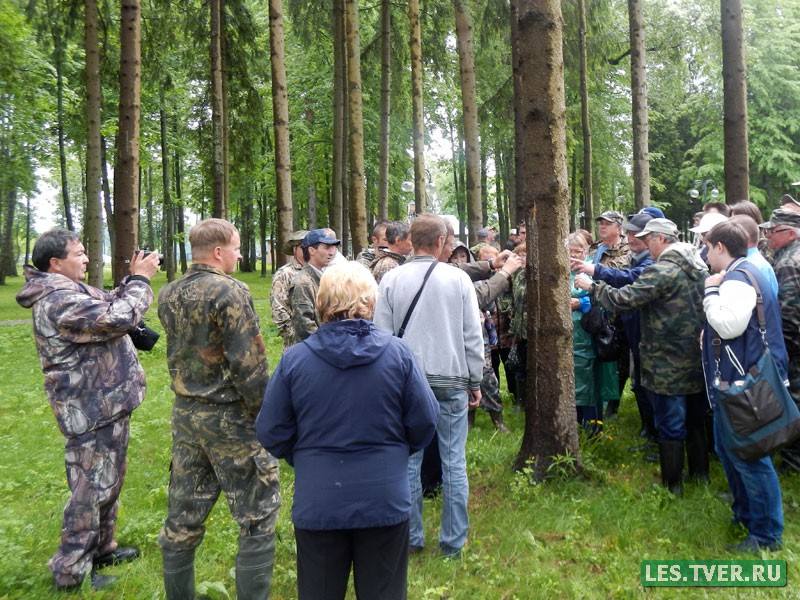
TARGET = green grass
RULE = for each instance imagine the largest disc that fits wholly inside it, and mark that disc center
(577, 538)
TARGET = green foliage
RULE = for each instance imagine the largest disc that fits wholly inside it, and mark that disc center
(569, 537)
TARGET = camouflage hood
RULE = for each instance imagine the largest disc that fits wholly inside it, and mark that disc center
(348, 343)
(687, 258)
(39, 284)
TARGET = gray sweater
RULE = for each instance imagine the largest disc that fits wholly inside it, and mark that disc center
(444, 331)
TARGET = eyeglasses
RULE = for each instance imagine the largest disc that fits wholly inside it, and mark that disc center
(775, 230)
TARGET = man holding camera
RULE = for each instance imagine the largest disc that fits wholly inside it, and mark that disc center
(93, 381)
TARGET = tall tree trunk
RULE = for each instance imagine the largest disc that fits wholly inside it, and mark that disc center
(126, 171)
(418, 126)
(588, 209)
(280, 119)
(386, 99)
(734, 80)
(93, 228)
(219, 209)
(62, 151)
(469, 106)
(107, 204)
(148, 241)
(516, 207)
(550, 429)
(169, 209)
(8, 265)
(500, 167)
(338, 185)
(641, 151)
(180, 224)
(358, 192)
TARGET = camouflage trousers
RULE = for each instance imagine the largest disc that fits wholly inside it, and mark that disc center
(490, 386)
(96, 464)
(215, 449)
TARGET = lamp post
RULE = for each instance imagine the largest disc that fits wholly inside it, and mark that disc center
(408, 185)
(699, 184)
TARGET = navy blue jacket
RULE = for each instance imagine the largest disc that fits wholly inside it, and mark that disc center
(618, 278)
(345, 407)
(748, 347)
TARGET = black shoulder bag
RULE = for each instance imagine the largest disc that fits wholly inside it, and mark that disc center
(402, 330)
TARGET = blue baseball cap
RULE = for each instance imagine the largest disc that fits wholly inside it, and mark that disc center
(319, 236)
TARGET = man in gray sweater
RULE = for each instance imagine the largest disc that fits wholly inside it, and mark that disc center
(444, 333)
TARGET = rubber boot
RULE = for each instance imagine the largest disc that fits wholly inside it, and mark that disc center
(178, 574)
(470, 418)
(497, 419)
(697, 454)
(254, 563)
(612, 410)
(671, 455)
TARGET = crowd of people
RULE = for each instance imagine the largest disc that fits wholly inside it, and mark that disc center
(387, 360)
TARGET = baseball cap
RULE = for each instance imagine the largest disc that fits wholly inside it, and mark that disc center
(636, 223)
(295, 238)
(664, 226)
(610, 215)
(787, 199)
(708, 221)
(782, 216)
(319, 236)
(653, 211)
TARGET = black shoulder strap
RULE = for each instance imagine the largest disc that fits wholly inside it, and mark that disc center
(402, 330)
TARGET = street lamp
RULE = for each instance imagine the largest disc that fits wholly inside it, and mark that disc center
(699, 184)
(408, 185)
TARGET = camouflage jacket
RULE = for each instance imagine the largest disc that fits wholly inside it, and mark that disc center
(303, 295)
(616, 256)
(280, 301)
(92, 374)
(215, 352)
(519, 307)
(787, 270)
(669, 295)
(385, 260)
(366, 256)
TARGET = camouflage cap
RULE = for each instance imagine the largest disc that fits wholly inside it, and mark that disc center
(610, 215)
(664, 226)
(788, 199)
(294, 240)
(782, 216)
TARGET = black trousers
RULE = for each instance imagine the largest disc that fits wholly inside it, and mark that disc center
(378, 555)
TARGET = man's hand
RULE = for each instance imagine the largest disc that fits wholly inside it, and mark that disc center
(146, 266)
(499, 260)
(582, 282)
(581, 266)
(574, 303)
(512, 264)
(474, 398)
(716, 279)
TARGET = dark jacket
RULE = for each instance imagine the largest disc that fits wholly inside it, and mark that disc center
(747, 347)
(618, 278)
(346, 407)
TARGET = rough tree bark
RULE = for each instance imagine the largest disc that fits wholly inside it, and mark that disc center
(280, 120)
(93, 228)
(418, 131)
(550, 421)
(386, 99)
(126, 171)
(734, 82)
(641, 151)
(469, 107)
(588, 188)
(338, 185)
(219, 209)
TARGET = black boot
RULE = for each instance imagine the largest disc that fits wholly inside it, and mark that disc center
(471, 418)
(254, 563)
(612, 410)
(178, 574)
(671, 455)
(497, 419)
(697, 454)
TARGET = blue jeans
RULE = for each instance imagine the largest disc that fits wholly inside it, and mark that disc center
(754, 486)
(452, 431)
(670, 416)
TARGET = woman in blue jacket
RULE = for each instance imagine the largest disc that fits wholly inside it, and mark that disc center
(345, 408)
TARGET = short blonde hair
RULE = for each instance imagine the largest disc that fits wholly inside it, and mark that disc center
(487, 249)
(208, 234)
(346, 291)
